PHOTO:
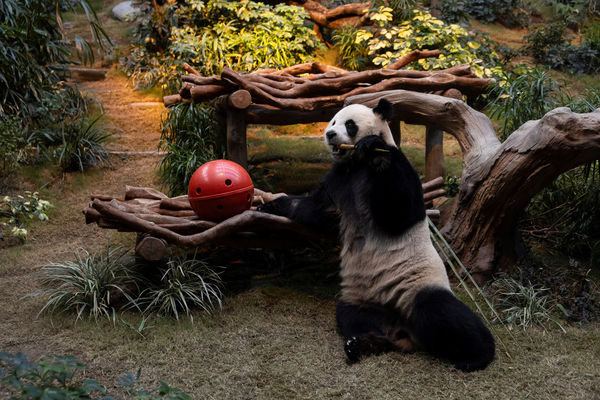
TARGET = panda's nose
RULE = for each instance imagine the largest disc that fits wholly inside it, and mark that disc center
(330, 134)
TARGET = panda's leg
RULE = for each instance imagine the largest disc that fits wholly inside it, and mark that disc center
(364, 330)
(446, 327)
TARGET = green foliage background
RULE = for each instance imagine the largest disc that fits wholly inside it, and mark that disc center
(244, 36)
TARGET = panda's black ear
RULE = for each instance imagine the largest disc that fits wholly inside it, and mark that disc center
(384, 109)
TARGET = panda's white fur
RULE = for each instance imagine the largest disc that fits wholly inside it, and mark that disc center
(400, 267)
(367, 126)
(395, 289)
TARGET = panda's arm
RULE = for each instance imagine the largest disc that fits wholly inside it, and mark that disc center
(316, 210)
(395, 191)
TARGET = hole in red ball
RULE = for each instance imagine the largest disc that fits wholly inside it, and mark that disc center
(228, 182)
(220, 207)
(248, 197)
(198, 190)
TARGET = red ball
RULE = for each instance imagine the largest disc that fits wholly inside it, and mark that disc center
(220, 189)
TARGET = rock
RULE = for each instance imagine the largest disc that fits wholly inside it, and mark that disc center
(126, 11)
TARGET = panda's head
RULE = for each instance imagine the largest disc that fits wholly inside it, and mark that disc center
(356, 121)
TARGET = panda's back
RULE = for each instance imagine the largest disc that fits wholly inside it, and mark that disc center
(388, 270)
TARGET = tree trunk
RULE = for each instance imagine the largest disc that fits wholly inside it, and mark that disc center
(498, 179)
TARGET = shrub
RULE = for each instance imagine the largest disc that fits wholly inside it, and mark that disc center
(452, 11)
(523, 96)
(50, 378)
(78, 144)
(54, 378)
(17, 210)
(243, 35)
(522, 304)
(191, 136)
(353, 55)
(565, 214)
(549, 46)
(13, 151)
(93, 285)
(185, 283)
(508, 12)
(32, 44)
(387, 43)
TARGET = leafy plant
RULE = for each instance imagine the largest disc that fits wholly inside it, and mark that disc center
(387, 43)
(51, 378)
(523, 96)
(452, 11)
(54, 378)
(353, 55)
(523, 305)
(164, 391)
(79, 144)
(17, 210)
(93, 285)
(14, 145)
(508, 12)
(548, 45)
(565, 214)
(191, 136)
(243, 35)
(185, 283)
(32, 44)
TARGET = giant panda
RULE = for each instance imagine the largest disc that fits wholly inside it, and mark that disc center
(395, 294)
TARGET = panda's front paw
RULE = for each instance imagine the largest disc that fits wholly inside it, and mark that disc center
(374, 151)
(369, 144)
(274, 207)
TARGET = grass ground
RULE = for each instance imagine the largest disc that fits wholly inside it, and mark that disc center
(275, 338)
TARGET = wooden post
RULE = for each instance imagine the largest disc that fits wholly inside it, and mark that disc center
(396, 129)
(434, 145)
(235, 106)
(434, 154)
(237, 150)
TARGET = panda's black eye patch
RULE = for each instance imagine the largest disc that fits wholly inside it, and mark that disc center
(333, 123)
(351, 128)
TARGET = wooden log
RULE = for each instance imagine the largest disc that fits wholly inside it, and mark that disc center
(238, 100)
(181, 203)
(190, 70)
(172, 100)
(238, 223)
(87, 74)
(265, 114)
(427, 197)
(151, 248)
(433, 184)
(413, 56)
(135, 192)
(437, 81)
(204, 80)
(207, 92)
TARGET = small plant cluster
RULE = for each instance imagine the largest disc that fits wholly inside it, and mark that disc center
(16, 211)
(102, 285)
(39, 113)
(386, 42)
(510, 13)
(550, 46)
(55, 378)
(565, 214)
(190, 135)
(523, 304)
(243, 35)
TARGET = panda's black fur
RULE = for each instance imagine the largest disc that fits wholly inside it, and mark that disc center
(395, 291)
